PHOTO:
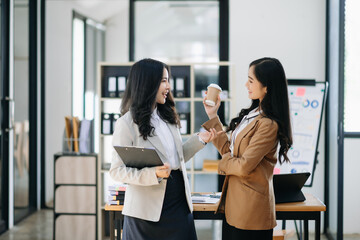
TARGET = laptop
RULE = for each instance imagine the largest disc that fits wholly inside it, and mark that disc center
(287, 187)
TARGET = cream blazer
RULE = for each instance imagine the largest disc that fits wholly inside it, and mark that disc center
(145, 193)
(247, 194)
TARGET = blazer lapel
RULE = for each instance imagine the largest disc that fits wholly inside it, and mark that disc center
(243, 133)
(156, 142)
(177, 139)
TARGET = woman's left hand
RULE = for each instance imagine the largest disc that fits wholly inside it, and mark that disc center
(208, 136)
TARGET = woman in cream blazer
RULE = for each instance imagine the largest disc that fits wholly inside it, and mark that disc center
(249, 156)
(157, 200)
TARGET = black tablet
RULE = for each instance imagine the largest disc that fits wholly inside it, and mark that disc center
(138, 157)
(287, 187)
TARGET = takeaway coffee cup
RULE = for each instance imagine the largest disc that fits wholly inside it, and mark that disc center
(213, 91)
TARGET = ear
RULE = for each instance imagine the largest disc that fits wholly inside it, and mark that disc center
(265, 89)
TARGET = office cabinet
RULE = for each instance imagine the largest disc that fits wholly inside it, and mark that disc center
(75, 196)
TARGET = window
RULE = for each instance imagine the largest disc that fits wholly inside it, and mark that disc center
(88, 49)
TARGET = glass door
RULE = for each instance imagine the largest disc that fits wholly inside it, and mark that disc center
(3, 145)
(2, 222)
(21, 109)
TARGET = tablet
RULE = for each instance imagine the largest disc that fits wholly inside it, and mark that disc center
(287, 187)
(138, 157)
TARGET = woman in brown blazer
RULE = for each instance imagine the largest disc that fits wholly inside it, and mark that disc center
(249, 156)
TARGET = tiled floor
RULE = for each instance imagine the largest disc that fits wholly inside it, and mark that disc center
(39, 226)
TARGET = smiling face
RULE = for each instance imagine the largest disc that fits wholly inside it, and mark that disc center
(164, 88)
(255, 88)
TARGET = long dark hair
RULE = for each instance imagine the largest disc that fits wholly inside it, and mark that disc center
(275, 105)
(140, 96)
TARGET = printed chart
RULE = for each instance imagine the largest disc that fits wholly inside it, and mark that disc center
(306, 106)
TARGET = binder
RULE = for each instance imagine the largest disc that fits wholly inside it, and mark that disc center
(111, 87)
(68, 131)
(106, 123)
(180, 87)
(76, 127)
(172, 85)
(85, 139)
(115, 117)
(185, 123)
(121, 85)
(138, 157)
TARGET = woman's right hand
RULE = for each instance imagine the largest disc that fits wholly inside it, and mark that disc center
(163, 171)
(211, 111)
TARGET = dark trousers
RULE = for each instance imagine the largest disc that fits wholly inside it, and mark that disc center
(232, 233)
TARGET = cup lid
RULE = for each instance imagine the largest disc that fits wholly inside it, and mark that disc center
(215, 86)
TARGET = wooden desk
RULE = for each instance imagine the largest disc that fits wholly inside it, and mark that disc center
(310, 209)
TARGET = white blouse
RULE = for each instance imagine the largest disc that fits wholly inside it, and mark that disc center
(163, 131)
(244, 122)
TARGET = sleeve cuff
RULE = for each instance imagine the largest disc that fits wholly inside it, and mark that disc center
(202, 141)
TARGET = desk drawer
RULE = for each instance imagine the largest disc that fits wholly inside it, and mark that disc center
(75, 227)
(75, 170)
(75, 199)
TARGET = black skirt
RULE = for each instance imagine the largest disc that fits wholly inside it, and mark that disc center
(176, 221)
(232, 233)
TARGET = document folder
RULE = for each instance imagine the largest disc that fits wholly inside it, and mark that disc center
(138, 157)
(287, 187)
(111, 87)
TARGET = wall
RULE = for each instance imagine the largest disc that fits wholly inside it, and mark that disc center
(58, 35)
(57, 81)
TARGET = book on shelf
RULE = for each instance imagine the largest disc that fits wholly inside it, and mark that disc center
(68, 131)
(116, 197)
(115, 193)
(76, 127)
(117, 188)
(116, 202)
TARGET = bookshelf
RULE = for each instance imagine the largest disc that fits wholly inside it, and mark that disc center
(188, 82)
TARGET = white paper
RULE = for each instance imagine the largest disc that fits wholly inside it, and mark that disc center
(207, 198)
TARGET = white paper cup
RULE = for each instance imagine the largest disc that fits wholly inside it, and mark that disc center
(213, 91)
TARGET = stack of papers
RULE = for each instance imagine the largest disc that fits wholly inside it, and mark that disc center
(205, 198)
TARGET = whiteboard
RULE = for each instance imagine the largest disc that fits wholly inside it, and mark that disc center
(306, 98)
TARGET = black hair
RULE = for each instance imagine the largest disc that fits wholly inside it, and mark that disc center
(275, 105)
(140, 96)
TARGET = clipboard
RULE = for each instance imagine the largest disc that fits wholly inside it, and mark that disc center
(138, 157)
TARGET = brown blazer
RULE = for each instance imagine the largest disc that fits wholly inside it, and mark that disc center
(247, 194)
